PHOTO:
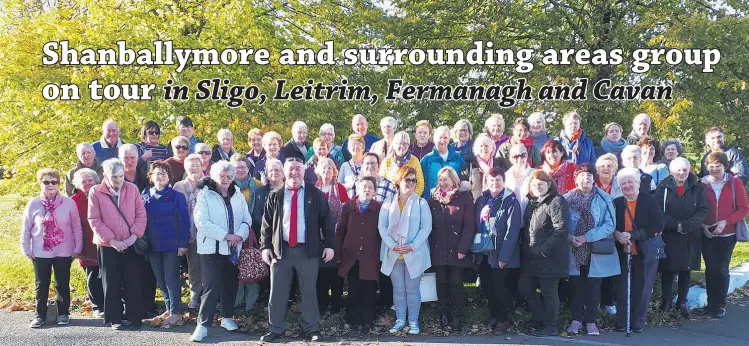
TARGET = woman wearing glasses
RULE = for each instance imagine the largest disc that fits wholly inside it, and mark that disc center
(51, 237)
(516, 178)
(204, 150)
(149, 149)
(181, 148)
(520, 136)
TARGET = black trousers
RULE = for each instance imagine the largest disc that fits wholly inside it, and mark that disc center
(360, 305)
(450, 292)
(328, 280)
(385, 300)
(148, 280)
(587, 296)
(220, 281)
(717, 254)
(94, 288)
(500, 288)
(667, 284)
(643, 278)
(544, 305)
(608, 290)
(43, 277)
(121, 278)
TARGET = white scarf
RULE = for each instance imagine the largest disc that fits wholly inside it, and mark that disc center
(398, 225)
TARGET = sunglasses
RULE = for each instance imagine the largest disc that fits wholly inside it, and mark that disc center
(53, 182)
(521, 156)
(152, 132)
(411, 181)
(204, 152)
(181, 147)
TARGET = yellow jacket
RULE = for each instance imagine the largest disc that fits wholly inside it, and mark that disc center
(389, 170)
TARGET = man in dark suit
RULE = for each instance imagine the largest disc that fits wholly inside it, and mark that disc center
(298, 145)
(297, 230)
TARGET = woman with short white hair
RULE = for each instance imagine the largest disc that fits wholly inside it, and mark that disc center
(640, 128)
(385, 146)
(118, 218)
(537, 122)
(517, 177)
(135, 174)
(86, 159)
(579, 146)
(83, 180)
(399, 157)
(327, 133)
(272, 143)
(205, 153)
(494, 126)
(223, 222)
(606, 167)
(632, 158)
(224, 149)
(483, 161)
(685, 207)
(441, 156)
(461, 134)
(639, 222)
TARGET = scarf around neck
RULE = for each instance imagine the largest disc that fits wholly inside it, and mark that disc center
(614, 148)
(52, 234)
(398, 225)
(581, 203)
(402, 161)
(444, 197)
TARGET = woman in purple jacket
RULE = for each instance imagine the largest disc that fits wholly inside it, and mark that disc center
(168, 232)
(51, 236)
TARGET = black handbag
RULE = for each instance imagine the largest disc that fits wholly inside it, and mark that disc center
(141, 244)
(605, 246)
(654, 246)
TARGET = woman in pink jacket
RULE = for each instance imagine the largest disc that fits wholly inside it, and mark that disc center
(118, 219)
(51, 236)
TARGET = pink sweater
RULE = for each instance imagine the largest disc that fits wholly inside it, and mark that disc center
(32, 232)
(106, 221)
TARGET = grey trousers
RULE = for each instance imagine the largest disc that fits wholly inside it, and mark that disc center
(194, 272)
(281, 276)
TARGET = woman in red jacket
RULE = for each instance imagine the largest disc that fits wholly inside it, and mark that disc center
(84, 179)
(727, 203)
(358, 253)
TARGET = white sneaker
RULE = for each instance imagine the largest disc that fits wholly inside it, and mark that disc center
(199, 333)
(229, 324)
(611, 309)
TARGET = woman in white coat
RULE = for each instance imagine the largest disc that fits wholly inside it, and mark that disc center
(405, 223)
(219, 238)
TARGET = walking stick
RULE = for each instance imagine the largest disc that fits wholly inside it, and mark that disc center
(629, 289)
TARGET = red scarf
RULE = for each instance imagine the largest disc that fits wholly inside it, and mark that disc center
(528, 143)
(559, 174)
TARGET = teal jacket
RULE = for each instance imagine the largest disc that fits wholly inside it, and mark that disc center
(433, 162)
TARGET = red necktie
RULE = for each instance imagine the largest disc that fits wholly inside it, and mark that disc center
(292, 218)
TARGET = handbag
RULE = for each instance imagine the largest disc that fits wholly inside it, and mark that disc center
(654, 246)
(605, 246)
(252, 268)
(428, 287)
(483, 243)
(140, 246)
(742, 230)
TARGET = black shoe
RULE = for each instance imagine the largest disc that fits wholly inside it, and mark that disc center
(684, 309)
(666, 305)
(314, 337)
(545, 331)
(136, 326)
(719, 312)
(270, 337)
(365, 329)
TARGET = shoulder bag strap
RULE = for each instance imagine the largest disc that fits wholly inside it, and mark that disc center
(733, 195)
(120, 211)
(607, 208)
(665, 193)
(630, 214)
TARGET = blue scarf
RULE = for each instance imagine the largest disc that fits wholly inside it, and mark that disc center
(614, 148)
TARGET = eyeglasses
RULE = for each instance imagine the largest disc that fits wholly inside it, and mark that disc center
(181, 147)
(204, 152)
(411, 181)
(152, 132)
(161, 174)
(520, 156)
(53, 182)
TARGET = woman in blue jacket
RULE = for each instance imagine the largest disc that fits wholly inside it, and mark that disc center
(591, 220)
(168, 232)
(498, 212)
(580, 148)
(442, 155)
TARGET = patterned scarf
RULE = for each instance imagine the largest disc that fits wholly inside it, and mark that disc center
(53, 235)
(442, 196)
(334, 199)
(573, 143)
(402, 161)
(559, 174)
(581, 203)
(485, 165)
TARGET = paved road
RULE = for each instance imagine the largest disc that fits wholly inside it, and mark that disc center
(733, 330)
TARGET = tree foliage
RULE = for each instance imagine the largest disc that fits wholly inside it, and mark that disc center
(36, 133)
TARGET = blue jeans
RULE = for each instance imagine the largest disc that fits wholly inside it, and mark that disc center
(406, 294)
(165, 267)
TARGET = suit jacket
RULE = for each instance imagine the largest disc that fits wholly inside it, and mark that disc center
(291, 150)
(318, 221)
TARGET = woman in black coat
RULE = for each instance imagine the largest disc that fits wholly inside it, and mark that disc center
(684, 204)
(545, 252)
(639, 222)
(453, 226)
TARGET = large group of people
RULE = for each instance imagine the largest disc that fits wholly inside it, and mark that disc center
(527, 211)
